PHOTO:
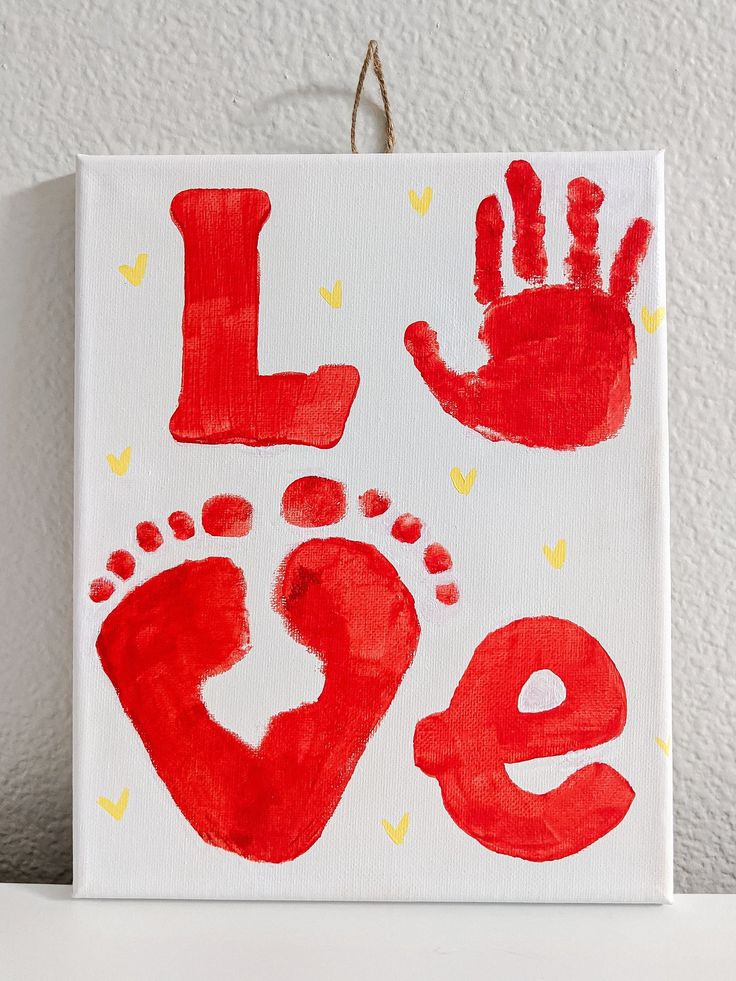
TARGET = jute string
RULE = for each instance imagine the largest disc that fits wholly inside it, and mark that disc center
(371, 57)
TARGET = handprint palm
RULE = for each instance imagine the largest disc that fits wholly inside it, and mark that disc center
(560, 356)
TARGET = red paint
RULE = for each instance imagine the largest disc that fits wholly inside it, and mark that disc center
(467, 747)
(224, 398)
(100, 590)
(341, 599)
(584, 200)
(560, 357)
(525, 188)
(372, 503)
(148, 536)
(437, 558)
(407, 529)
(488, 245)
(313, 502)
(227, 516)
(121, 564)
(626, 262)
(448, 594)
(182, 525)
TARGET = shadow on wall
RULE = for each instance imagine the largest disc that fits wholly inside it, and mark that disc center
(36, 490)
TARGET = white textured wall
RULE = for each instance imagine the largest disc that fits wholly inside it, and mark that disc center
(200, 76)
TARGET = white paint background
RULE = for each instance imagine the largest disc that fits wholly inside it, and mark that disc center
(606, 501)
(186, 77)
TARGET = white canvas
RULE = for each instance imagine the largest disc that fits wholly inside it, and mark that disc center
(555, 517)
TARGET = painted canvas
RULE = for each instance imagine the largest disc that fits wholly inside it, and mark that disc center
(372, 595)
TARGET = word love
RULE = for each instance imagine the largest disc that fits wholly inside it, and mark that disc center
(560, 356)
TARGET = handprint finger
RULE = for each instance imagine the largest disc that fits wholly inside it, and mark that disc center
(583, 263)
(631, 252)
(488, 243)
(525, 188)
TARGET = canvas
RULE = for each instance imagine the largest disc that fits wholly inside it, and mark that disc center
(371, 585)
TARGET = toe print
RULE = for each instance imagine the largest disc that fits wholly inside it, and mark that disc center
(121, 563)
(373, 503)
(227, 516)
(560, 356)
(148, 536)
(341, 599)
(181, 525)
(407, 529)
(100, 590)
(313, 502)
(437, 558)
(447, 593)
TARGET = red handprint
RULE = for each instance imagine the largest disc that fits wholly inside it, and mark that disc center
(560, 356)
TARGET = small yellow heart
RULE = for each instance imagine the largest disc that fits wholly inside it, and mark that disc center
(334, 298)
(116, 809)
(652, 320)
(556, 556)
(119, 464)
(421, 204)
(666, 747)
(398, 833)
(463, 483)
(134, 274)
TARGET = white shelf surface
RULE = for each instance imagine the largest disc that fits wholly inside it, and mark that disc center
(45, 934)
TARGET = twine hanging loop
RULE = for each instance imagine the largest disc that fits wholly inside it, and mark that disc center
(371, 57)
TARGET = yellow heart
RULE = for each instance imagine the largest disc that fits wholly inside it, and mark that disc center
(652, 320)
(666, 747)
(556, 556)
(134, 274)
(398, 833)
(334, 298)
(463, 483)
(119, 464)
(421, 204)
(117, 809)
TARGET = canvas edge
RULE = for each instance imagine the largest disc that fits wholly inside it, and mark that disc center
(664, 511)
(82, 163)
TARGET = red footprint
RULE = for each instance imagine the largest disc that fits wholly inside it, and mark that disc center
(342, 599)
(558, 374)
